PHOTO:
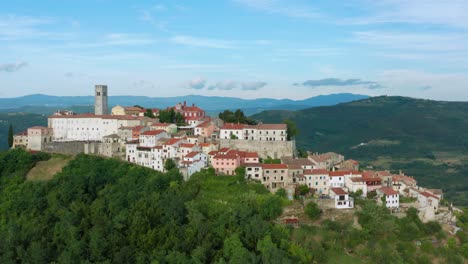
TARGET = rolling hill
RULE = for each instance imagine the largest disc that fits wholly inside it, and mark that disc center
(424, 138)
(209, 103)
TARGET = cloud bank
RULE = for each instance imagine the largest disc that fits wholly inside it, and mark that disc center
(12, 67)
(340, 82)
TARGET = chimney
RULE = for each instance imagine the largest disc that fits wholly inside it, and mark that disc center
(193, 105)
(185, 103)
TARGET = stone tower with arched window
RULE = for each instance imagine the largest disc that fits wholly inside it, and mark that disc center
(100, 100)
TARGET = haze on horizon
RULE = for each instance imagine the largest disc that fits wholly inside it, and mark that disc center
(238, 48)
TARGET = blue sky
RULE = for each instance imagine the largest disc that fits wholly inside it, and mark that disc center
(242, 48)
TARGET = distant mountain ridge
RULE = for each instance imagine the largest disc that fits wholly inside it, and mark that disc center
(209, 103)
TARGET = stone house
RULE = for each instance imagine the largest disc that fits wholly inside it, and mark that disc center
(318, 179)
(275, 176)
(392, 197)
(342, 198)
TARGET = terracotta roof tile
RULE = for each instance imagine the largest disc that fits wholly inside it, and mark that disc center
(274, 166)
(316, 172)
(338, 191)
(152, 132)
(388, 191)
(192, 154)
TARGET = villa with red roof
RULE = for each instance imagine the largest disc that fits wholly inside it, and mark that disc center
(204, 129)
(226, 164)
(260, 132)
(150, 138)
(341, 197)
(392, 197)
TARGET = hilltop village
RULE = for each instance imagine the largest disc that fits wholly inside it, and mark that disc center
(192, 141)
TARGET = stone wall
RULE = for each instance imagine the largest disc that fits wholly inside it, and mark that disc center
(274, 149)
(77, 147)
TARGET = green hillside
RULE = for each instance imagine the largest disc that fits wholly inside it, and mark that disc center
(20, 122)
(427, 139)
(100, 210)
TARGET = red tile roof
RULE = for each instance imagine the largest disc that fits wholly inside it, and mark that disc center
(270, 127)
(137, 128)
(403, 178)
(274, 166)
(133, 108)
(204, 124)
(291, 221)
(214, 152)
(426, 194)
(192, 154)
(152, 132)
(203, 145)
(117, 117)
(343, 173)
(338, 191)
(226, 156)
(357, 179)
(384, 173)
(316, 172)
(294, 167)
(24, 133)
(172, 141)
(224, 150)
(388, 191)
(232, 126)
(186, 145)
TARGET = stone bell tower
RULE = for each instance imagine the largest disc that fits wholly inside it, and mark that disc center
(100, 100)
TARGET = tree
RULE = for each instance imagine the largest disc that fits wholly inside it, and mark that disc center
(302, 189)
(281, 192)
(240, 172)
(149, 113)
(10, 136)
(312, 210)
(169, 164)
(235, 117)
(291, 130)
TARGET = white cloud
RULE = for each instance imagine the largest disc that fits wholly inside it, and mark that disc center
(203, 42)
(14, 27)
(278, 7)
(197, 83)
(252, 86)
(12, 67)
(450, 13)
(227, 85)
(224, 85)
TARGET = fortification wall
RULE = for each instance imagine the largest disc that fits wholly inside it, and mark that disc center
(274, 149)
(73, 147)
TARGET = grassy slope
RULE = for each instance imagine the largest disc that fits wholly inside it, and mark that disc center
(427, 139)
(45, 170)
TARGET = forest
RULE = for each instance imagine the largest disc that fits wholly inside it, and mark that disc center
(99, 210)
